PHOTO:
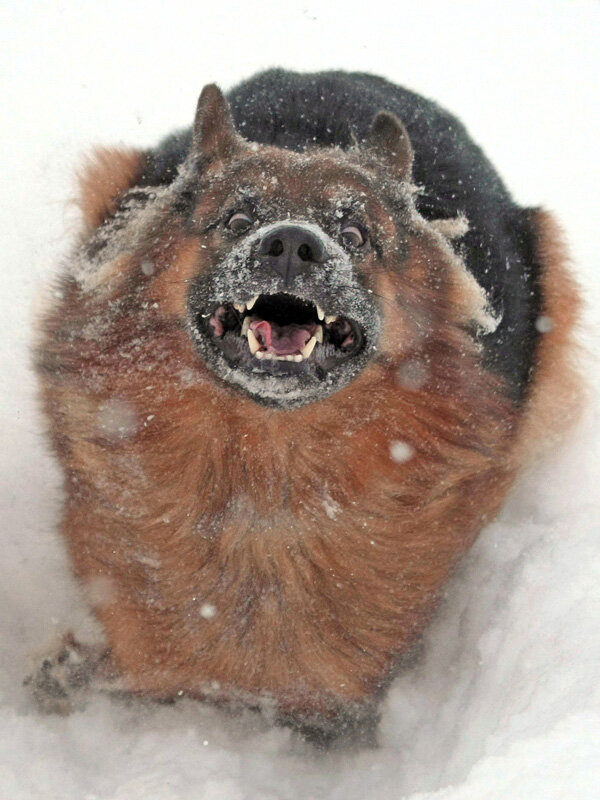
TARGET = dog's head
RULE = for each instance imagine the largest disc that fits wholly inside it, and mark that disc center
(284, 304)
(299, 269)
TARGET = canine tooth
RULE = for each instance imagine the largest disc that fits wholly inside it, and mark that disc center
(253, 343)
(330, 319)
(320, 312)
(245, 326)
(309, 347)
(250, 303)
(319, 334)
(241, 307)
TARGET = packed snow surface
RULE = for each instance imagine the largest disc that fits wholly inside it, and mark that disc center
(505, 702)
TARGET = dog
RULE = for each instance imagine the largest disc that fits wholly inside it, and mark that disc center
(294, 364)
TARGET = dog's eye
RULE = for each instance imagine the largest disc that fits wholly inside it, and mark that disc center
(239, 222)
(352, 236)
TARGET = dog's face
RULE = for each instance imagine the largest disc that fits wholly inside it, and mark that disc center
(287, 312)
(291, 273)
(285, 303)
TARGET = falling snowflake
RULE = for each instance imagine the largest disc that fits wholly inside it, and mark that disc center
(401, 452)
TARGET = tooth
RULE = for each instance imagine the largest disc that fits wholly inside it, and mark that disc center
(245, 326)
(259, 354)
(319, 334)
(253, 343)
(268, 356)
(309, 347)
(250, 303)
(328, 320)
(290, 358)
(298, 358)
(320, 312)
(241, 307)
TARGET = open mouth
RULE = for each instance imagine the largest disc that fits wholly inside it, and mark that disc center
(283, 334)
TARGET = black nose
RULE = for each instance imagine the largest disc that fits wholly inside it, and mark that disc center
(290, 250)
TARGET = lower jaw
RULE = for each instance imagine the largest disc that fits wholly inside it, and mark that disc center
(283, 385)
(290, 390)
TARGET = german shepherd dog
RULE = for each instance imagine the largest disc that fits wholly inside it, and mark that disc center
(294, 364)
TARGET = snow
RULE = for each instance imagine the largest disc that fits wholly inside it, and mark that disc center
(401, 451)
(505, 701)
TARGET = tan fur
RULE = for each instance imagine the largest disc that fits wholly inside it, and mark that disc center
(105, 175)
(557, 391)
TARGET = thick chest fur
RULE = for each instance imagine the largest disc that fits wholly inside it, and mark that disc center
(230, 549)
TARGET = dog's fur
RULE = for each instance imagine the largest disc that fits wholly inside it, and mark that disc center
(241, 542)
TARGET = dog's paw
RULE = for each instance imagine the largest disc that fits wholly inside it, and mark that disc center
(62, 682)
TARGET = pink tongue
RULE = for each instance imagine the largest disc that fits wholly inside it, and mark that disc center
(281, 340)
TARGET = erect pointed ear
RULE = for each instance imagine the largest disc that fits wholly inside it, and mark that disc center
(214, 136)
(105, 176)
(389, 139)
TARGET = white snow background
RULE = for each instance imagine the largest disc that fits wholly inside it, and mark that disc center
(506, 701)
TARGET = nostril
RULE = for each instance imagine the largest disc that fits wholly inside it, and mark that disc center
(305, 253)
(290, 250)
(276, 248)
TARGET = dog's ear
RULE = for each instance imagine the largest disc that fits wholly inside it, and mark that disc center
(214, 136)
(389, 141)
(105, 176)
